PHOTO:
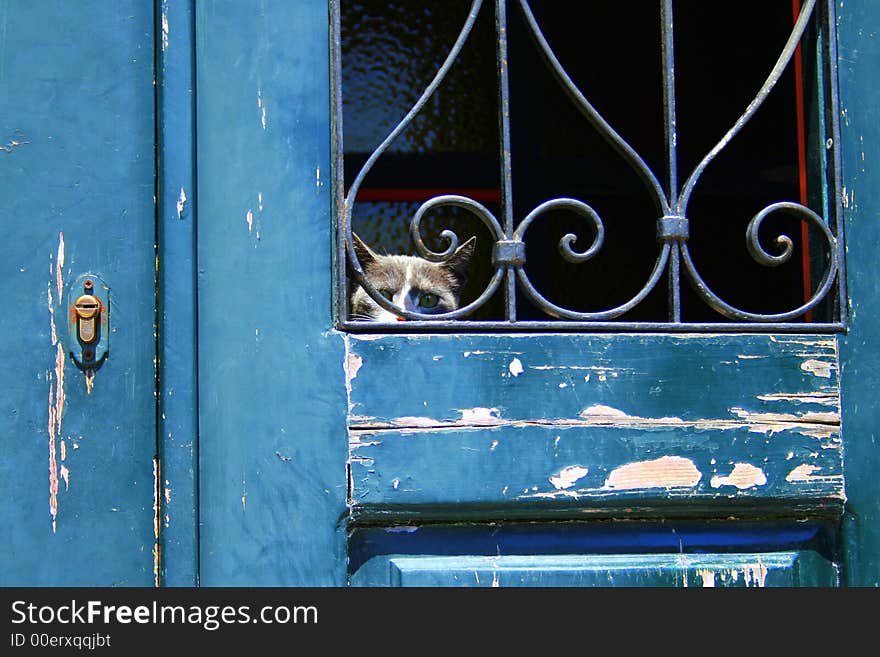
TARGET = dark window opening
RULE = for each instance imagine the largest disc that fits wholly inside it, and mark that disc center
(700, 275)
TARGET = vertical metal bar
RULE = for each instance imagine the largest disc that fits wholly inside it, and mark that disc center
(177, 313)
(668, 56)
(504, 129)
(832, 111)
(340, 290)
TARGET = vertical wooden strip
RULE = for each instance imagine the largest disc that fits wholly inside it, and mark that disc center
(859, 51)
(177, 485)
(273, 441)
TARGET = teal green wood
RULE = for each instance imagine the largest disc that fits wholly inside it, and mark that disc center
(786, 378)
(272, 440)
(77, 180)
(178, 435)
(560, 425)
(858, 27)
(787, 569)
(539, 471)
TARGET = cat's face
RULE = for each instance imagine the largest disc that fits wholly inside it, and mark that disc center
(410, 282)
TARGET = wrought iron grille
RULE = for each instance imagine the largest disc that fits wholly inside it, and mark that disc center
(671, 194)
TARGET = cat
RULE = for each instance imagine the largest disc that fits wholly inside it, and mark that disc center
(410, 282)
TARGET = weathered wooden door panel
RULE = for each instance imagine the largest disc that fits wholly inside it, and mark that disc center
(475, 430)
(508, 426)
(77, 178)
(682, 570)
(326, 458)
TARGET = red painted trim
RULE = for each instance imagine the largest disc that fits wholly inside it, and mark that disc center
(802, 161)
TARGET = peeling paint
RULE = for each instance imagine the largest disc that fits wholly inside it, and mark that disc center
(804, 474)
(353, 364)
(59, 267)
(818, 368)
(56, 391)
(707, 577)
(812, 417)
(12, 144)
(262, 107)
(600, 414)
(823, 425)
(568, 476)
(755, 574)
(60, 397)
(743, 476)
(515, 367)
(53, 466)
(54, 333)
(156, 521)
(181, 203)
(65, 477)
(164, 26)
(812, 423)
(415, 421)
(249, 218)
(665, 472)
(479, 416)
(821, 398)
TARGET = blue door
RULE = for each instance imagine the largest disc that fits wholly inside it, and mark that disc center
(338, 453)
(243, 431)
(78, 176)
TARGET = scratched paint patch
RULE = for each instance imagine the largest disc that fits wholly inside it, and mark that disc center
(568, 476)
(664, 472)
(479, 416)
(515, 368)
(818, 368)
(56, 395)
(743, 476)
(755, 575)
(181, 203)
(261, 105)
(803, 474)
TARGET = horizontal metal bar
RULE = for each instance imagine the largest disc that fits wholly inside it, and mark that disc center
(464, 326)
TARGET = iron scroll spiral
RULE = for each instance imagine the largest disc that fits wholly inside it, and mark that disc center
(671, 204)
(465, 203)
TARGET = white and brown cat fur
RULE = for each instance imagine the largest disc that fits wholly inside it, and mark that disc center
(410, 282)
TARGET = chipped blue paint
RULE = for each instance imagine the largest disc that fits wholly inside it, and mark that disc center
(178, 418)
(271, 390)
(77, 181)
(859, 52)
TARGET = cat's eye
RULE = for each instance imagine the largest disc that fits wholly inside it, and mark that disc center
(428, 300)
(388, 294)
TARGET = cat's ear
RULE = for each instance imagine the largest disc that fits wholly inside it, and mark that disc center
(459, 263)
(365, 254)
